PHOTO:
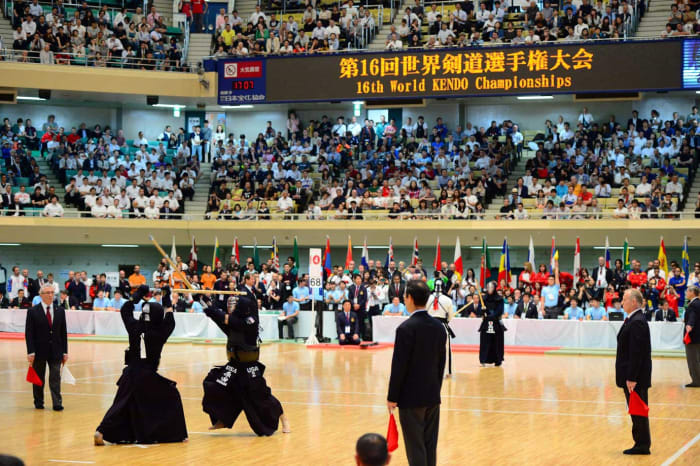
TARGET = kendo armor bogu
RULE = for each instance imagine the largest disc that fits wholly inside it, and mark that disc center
(237, 343)
(443, 309)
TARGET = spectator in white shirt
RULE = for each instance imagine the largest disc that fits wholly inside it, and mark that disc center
(394, 43)
(285, 203)
(152, 212)
(114, 210)
(99, 210)
(53, 209)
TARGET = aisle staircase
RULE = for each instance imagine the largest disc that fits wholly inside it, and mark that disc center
(198, 206)
(654, 21)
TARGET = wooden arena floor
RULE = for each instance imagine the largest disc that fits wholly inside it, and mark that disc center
(534, 410)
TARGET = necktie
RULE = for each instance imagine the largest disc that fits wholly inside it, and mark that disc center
(347, 316)
(48, 316)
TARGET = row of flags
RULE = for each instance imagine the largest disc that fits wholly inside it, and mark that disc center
(485, 266)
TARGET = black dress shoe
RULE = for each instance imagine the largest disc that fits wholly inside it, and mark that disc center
(692, 385)
(637, 451)
(38, 406)
(58, 408)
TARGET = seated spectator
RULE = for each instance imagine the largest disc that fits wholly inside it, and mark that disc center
(288, 317)
(53, 209)
(665, 313)
(347, 325)
(395, 308)
(21, 301)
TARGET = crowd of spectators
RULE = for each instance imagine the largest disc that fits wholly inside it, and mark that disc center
(643, 165)
(682, 21)
(104, 174)
(377, 289)
(96, 36)
(324, 29)
(336, 169)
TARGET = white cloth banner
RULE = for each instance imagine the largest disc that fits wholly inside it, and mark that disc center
(531, 332)
(187, 325)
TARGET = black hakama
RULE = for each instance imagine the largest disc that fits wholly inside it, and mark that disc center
(147, 409)
(237, 387)
(491, 342)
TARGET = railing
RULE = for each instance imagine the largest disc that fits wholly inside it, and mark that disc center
(83, 60)
(367, 215)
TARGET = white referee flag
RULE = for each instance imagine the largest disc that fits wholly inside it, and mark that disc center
(531, 254)
(66, 376)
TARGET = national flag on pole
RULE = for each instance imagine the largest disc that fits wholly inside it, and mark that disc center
(173, 253)
(459, 268)
(663, 263)
(416, 255)
(295, 253)
(607, 253)
(504, 265)
(531, 254)
(348, 255)
(626, 257)
(438, 256)
(275, 254)
(389, 254)
(327, 257)
(553, 257)
(365, 255)
(485, 264)
(256, 257)
(577, 261)
(215, 260)
(235, 252)
(685, 258)
(193, 255)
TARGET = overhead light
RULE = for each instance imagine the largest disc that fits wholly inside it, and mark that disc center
(234, 107)
(10, 244)
(358, 102)
(535, 97)
(371, 247)
(613, 247)
(259, 245)
(169, 106)
(26, 97)
(697, 92)
(488, 247)
(120, 245)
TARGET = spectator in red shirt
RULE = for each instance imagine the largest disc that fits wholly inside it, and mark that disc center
(541, 276)
(585, 195)
(637, 277)
(73, 137)
(671, 298)
(199, 8)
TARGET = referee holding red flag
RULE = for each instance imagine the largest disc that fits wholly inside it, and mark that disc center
(633, 366)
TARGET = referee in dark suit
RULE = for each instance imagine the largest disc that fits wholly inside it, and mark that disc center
(633, 365)
(691, 318)
(416, 376)
(47, 343)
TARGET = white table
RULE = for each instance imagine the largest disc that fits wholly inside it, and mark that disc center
(531, 332)
(109, 323)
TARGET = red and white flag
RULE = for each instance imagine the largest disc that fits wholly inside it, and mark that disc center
(577, 261)
(193, 254)
(416, 255)
(438, 260)
(459, 268)
(235, 253)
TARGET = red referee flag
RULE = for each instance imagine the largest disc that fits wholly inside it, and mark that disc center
(33, 377)
(686, 338)
(637, 407)
(392, 434)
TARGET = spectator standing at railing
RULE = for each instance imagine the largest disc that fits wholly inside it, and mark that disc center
(199, 8)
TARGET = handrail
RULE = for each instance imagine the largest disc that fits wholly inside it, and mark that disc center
(534, 215)
(71, 59)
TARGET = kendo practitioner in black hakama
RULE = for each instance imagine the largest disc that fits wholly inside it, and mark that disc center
(240, 385)
(147, 407)
(491, 346)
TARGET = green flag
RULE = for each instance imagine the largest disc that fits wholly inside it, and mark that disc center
(296, 254)
(626, 257)
(256, 258)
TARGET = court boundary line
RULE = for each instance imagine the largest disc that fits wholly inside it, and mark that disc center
(71, 461)
(459, 410)
(681, 450)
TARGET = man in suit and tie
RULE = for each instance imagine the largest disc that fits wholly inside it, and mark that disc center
(526, 309)
(248, 286)
(416, 376)
(633, 365)
(47, 343)
(603, 277)
(691, 318)
(397, 288)
(358, 294)
(347, 324)
(665, 313)
(354, 212)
